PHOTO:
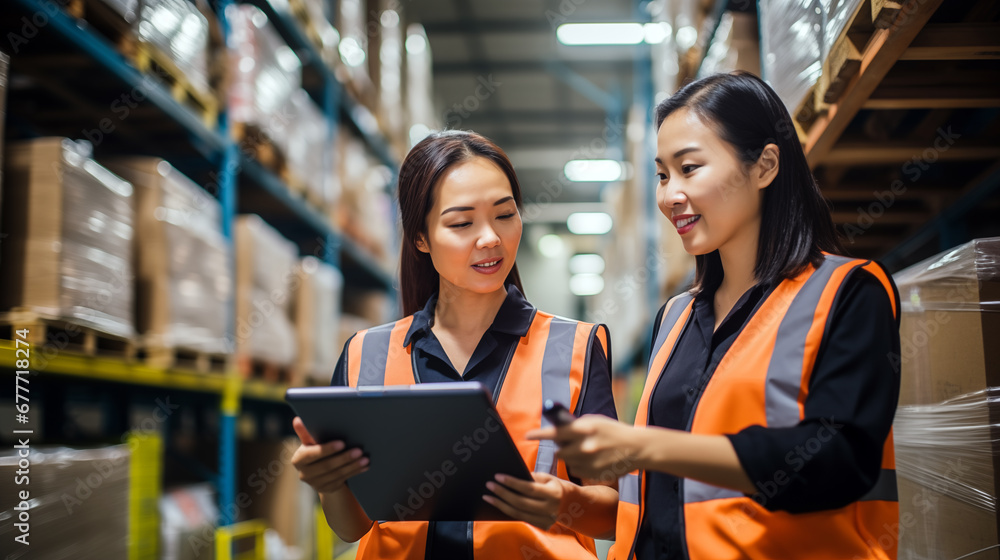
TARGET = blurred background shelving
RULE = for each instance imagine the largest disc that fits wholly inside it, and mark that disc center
(198, 202)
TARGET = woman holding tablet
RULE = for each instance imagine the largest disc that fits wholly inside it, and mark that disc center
(466, 319)
(764, 429)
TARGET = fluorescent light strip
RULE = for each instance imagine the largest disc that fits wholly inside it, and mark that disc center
(575, 34)
(589, 223)
(592, 170)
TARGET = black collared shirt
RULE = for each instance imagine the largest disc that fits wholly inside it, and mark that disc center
(854, 382)
(453, 539)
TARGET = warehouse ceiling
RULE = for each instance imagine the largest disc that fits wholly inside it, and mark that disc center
(498, 70)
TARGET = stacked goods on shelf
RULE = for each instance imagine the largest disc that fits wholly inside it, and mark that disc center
(387, 72)
(419, 86)
(189, 515)
(265, 267)
(735, 46)
(317, 317)
(312, 19)
(811, 48)
(306, 148)
(374, 307)
(183, 270)
(265, 75)
(68, 251)
(945, 427)
(173, 43)
(354, 51)
(365, 211)
(277, 496)
(74, 503)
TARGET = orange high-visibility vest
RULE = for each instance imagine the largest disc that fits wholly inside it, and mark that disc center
(549, 362)
(764, 380)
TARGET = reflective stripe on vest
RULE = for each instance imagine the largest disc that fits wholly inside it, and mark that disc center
(557, 357)
(786, 331)
(549, 362)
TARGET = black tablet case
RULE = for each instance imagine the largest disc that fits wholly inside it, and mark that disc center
(432, 447)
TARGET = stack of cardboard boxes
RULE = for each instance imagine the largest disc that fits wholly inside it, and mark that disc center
(946, 426)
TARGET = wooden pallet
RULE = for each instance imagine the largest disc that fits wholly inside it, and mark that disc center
(255, 368)
(64, 335)
(843, 62)
(149, 59)
(188, 359)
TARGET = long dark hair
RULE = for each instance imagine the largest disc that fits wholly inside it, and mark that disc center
(795, 227)
(419, 174)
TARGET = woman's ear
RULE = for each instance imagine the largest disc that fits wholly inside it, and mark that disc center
(766, 168)
(421, 244)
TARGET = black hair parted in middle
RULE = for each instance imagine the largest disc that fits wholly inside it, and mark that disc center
(796, 226)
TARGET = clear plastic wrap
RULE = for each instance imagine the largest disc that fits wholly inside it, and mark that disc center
(265, 263)
(70, 228)
(189, 515)
(265, 72)
(77, 506)
(179, 31)
(952, 281)
(836, 15)
(791, 40)
(317, 318)
(183, 265)
(307, 144)
(735, 46)
(947, 427)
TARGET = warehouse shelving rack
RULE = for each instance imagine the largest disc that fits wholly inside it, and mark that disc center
(210, 157)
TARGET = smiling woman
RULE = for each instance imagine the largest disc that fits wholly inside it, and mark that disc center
(764, 428)
(467, 320)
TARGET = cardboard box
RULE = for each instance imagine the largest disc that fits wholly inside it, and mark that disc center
(78, 503)
(68, 250)
(949, 352)
(317, 319)
(265, 267)
(183, 270)
(270, 485)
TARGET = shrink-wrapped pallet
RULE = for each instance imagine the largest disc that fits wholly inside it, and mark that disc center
(946, 426)
(67, 254)
(183, 271)
(265, 268)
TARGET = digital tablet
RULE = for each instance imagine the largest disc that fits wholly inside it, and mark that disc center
(432, 447)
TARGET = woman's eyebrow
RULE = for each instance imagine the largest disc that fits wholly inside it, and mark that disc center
(469, 208)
